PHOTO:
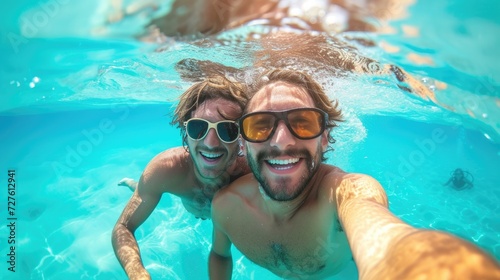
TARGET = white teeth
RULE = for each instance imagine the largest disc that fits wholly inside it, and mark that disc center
(283, 161)
(210, 155)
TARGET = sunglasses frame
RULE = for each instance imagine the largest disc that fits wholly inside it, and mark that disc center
(214, 126)
(282, 116)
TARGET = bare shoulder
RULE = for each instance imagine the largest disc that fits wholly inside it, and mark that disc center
(346, 186)
(233, 197)
(166, 172)
(239, 190)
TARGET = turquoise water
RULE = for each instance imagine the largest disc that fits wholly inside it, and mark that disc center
(80, 112)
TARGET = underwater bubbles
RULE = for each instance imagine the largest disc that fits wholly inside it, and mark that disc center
(34, 81)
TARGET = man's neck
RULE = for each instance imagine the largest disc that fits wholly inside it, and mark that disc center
(218, 182)
(283, 211)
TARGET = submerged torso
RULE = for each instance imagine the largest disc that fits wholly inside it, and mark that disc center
(198, 202)
(197, 196)
(307, 247)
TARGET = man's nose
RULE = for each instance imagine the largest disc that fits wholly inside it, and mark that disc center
(212, 139)
(282, 137)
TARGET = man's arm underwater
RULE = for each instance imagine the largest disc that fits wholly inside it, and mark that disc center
(138, 209)
(220, 262)
(165, 173)
(152, 184)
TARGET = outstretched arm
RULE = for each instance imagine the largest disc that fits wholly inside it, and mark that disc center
(384, 247)
(369, 226)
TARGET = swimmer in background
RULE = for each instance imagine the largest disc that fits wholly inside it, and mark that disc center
(459, 180)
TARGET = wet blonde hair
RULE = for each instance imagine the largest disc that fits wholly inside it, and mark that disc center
(313, 89)
(211, 88)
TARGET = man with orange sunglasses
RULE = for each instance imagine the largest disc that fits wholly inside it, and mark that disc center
(303, 219)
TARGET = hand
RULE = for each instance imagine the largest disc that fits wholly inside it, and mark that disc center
(127, 182)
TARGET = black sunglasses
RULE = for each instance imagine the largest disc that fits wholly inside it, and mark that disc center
(197, 129)
(303, 123)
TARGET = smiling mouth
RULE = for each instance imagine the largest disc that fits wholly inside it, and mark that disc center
(211, 156)
(283, 164)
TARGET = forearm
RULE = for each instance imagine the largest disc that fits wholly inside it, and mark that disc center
(220, 268)
(384, 247)
(127, 252)
(434, 255)
(371, 231)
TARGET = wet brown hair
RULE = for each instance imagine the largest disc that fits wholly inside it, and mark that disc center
(302, 80)
(211, 88)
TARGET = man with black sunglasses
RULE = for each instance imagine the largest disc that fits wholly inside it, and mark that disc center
(210, 159)
(303, 219)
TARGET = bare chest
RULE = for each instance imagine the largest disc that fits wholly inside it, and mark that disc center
(198, 200)
(301, 249)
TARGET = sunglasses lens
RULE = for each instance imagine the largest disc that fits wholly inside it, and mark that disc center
(303, 123)
(258, 127)
(228, 131)
(307, 124)
(196, 129)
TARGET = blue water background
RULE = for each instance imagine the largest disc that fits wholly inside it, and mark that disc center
(68, 200)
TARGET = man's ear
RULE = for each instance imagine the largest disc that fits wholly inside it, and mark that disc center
(324, 139)
(242, 146)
